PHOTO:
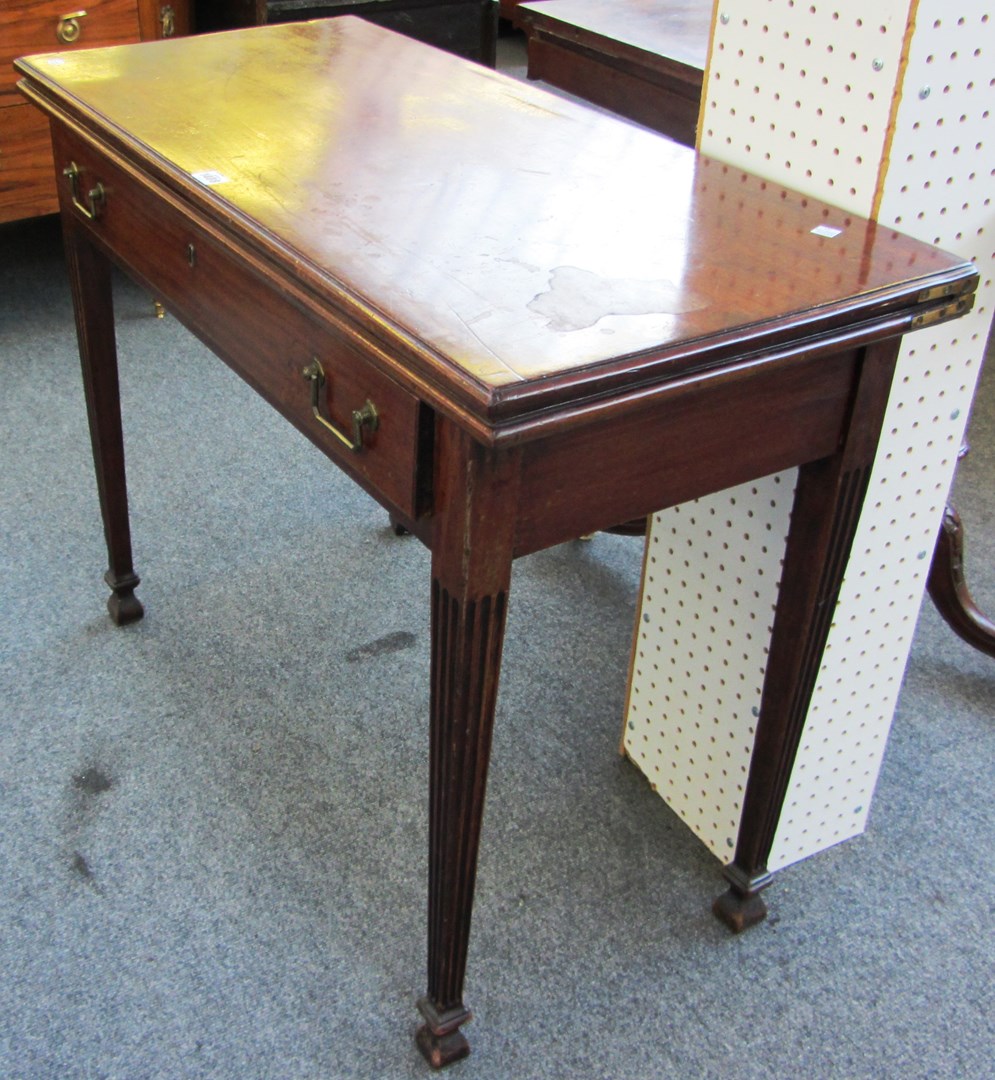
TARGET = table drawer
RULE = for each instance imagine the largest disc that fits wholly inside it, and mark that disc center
(27, 180)
(256, 321)
(44, 27)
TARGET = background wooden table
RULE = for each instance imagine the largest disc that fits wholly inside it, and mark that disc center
(642, 59)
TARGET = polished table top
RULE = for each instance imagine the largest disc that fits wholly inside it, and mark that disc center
(517, 238)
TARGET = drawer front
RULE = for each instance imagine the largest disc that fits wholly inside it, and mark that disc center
(27, 28)
(258, 325)
(27, 180)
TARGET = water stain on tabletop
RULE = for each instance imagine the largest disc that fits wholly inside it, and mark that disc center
(578, 299)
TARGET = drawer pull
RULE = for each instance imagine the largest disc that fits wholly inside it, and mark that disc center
(95, 197)
(365, 418)
(68, 29)
(167, 20)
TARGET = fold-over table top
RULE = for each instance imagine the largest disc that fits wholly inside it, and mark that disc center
(518, 237)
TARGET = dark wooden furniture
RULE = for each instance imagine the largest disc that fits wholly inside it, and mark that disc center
(508, 10)
(464, 27)
(948, 587)
(643, 59)
(512, 320)
(27, 181)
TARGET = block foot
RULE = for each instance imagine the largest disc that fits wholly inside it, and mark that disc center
(741, 907)
(739, 912)
(123, 605)
(439, 1039)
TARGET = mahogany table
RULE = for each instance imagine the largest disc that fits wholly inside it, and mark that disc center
(510, 319)
(643, 59)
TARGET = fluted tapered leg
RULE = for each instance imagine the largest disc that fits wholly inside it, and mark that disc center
(472, 552)
(90, 280)
(828, 501)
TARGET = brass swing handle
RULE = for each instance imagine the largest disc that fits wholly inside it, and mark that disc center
(68, 29)
(365, 418)
(95, 197)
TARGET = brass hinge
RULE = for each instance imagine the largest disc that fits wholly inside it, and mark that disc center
(943, 313)
(940, 292)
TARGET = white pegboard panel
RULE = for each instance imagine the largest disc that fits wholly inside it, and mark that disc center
(937, 187)
(710, 583)
(854, 700)
(887, 117)
(941, 179)
(802, 93)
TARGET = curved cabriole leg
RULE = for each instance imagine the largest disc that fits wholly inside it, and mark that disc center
(90, 280)
(949, 592)
(475, 494)
(828, 500)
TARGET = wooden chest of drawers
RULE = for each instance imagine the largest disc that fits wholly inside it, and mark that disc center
(27, 182)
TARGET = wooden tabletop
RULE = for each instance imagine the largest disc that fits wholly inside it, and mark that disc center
(676, 29)
(520, 239)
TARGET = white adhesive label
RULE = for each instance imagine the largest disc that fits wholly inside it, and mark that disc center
(210, 177)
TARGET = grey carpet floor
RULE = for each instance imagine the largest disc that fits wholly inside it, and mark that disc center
(213, 823)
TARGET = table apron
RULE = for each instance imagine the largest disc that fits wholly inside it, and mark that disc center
(709, 434)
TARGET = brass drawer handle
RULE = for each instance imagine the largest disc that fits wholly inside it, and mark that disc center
(167, 20)
(364, 419)
(68, 29)
(95, 197)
